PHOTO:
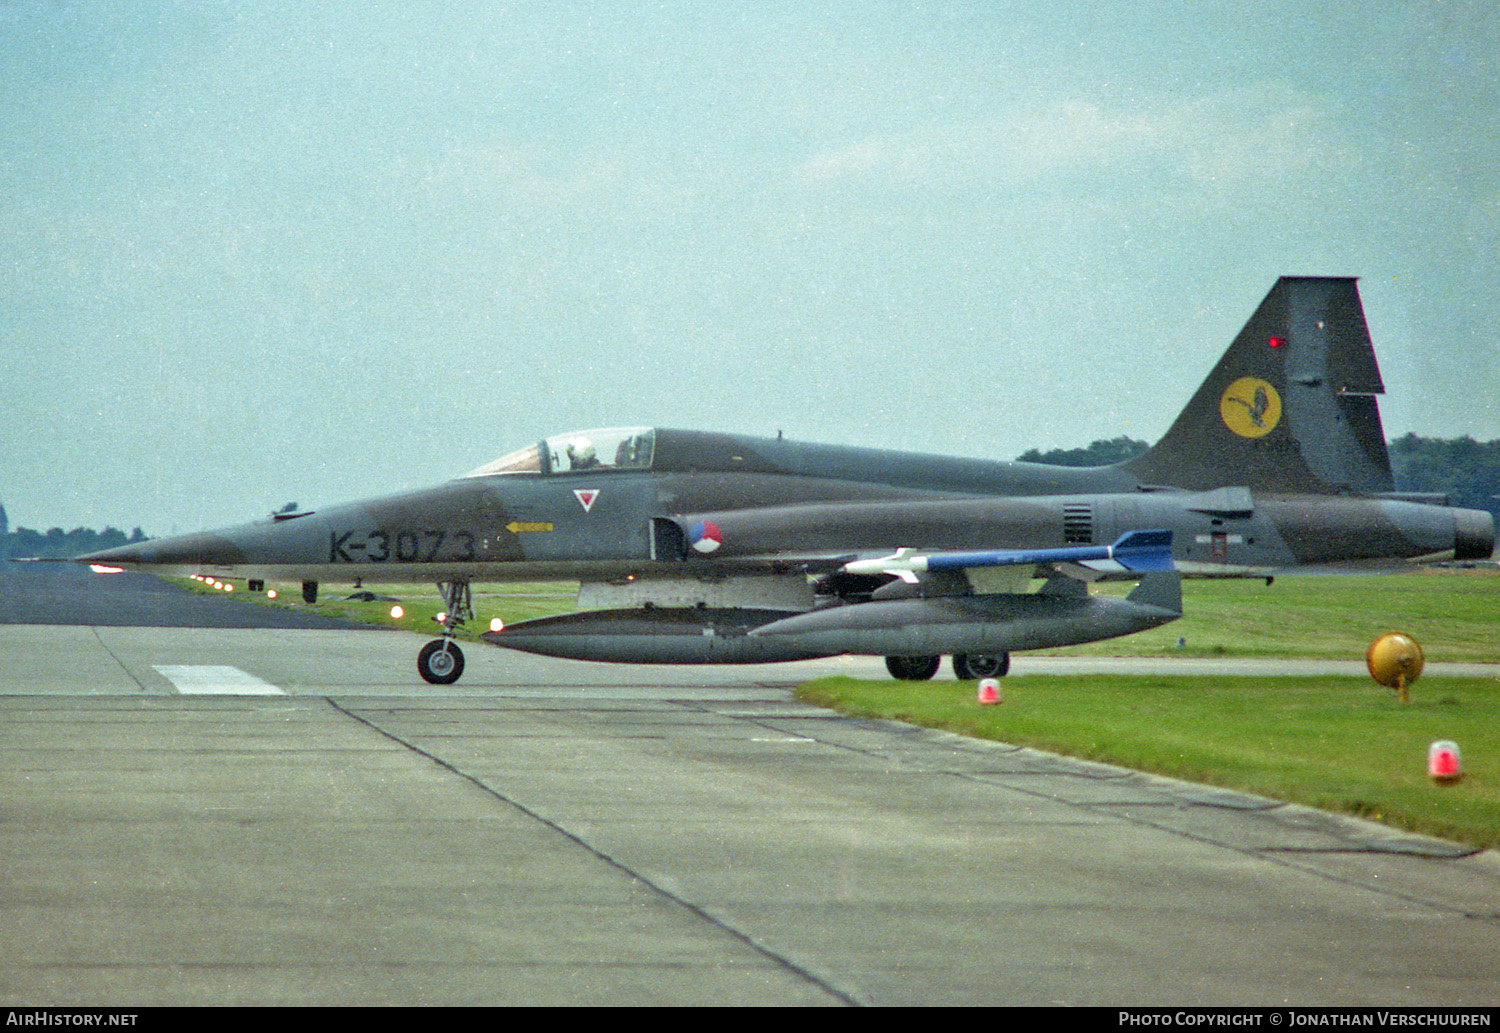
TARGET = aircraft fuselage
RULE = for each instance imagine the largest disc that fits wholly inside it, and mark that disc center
(824, 504)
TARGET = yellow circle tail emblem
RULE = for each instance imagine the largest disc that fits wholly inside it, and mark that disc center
(1250, 407)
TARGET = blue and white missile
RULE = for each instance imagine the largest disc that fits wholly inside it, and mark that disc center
(1135, 552)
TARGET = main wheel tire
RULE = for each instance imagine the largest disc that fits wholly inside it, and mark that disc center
(912, 668)
(973, 666)
(440, 662)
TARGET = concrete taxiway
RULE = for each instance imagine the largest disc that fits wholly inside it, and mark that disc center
(281, 816)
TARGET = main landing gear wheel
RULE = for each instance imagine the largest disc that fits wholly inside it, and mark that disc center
(440, 662)
(973, 666)
(912, 668)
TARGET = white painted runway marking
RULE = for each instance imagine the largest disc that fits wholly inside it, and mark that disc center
(215, 681)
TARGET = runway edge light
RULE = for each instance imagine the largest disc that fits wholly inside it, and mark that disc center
(1444, 765)
(989, 690)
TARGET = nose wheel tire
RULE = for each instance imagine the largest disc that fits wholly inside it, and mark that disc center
(440, 662)
(972, 666)
(912, 668)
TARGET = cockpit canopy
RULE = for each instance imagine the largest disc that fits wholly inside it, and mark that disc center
(613, 448)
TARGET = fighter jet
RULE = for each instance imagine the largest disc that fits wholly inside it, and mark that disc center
(695, 547)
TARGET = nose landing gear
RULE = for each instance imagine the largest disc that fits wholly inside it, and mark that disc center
(441, 661)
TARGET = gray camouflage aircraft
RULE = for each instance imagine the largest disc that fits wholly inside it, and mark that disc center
(695, 547)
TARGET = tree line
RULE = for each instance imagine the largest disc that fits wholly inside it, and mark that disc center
(57, 544)
(1465, 470)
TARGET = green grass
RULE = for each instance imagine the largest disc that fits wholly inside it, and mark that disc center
(1342, 744)
(1454, 614)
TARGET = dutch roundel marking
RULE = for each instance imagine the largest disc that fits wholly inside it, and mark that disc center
(586, 497)
(705, 536)
(1250, 407)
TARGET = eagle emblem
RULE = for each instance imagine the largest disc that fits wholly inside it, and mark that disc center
(1250, 407)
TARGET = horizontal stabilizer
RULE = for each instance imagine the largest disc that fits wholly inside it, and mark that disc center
(1135, 552)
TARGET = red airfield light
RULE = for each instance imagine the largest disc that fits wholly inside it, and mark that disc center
(1443, 764)
(1277, 342)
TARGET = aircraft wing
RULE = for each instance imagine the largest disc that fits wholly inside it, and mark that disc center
(1135, 552)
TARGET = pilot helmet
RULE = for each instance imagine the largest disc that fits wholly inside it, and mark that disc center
(580, 450)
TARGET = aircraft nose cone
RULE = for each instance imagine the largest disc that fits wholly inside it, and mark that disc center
(181, 550)
(122, 556)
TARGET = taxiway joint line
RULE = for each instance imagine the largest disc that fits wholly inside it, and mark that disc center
(823, 983)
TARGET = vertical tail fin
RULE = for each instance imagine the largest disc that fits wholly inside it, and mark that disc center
(1290, 407)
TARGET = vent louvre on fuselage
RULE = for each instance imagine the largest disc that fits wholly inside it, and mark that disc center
(1078, 524)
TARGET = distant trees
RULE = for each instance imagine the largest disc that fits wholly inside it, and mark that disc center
(1100, 453)
(1465, 470)
(58, 544)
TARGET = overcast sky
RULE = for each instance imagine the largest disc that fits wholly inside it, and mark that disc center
(257, 252)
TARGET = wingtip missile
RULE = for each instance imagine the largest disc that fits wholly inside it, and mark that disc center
(1135, 552)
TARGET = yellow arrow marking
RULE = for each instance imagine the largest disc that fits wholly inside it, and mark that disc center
(517, 527)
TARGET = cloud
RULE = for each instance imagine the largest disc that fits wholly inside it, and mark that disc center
(1222, 142)
(500, 180)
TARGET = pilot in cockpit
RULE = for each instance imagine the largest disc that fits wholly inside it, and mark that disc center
(581, 455)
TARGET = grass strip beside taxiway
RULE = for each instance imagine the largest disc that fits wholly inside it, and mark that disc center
(1337, 743)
